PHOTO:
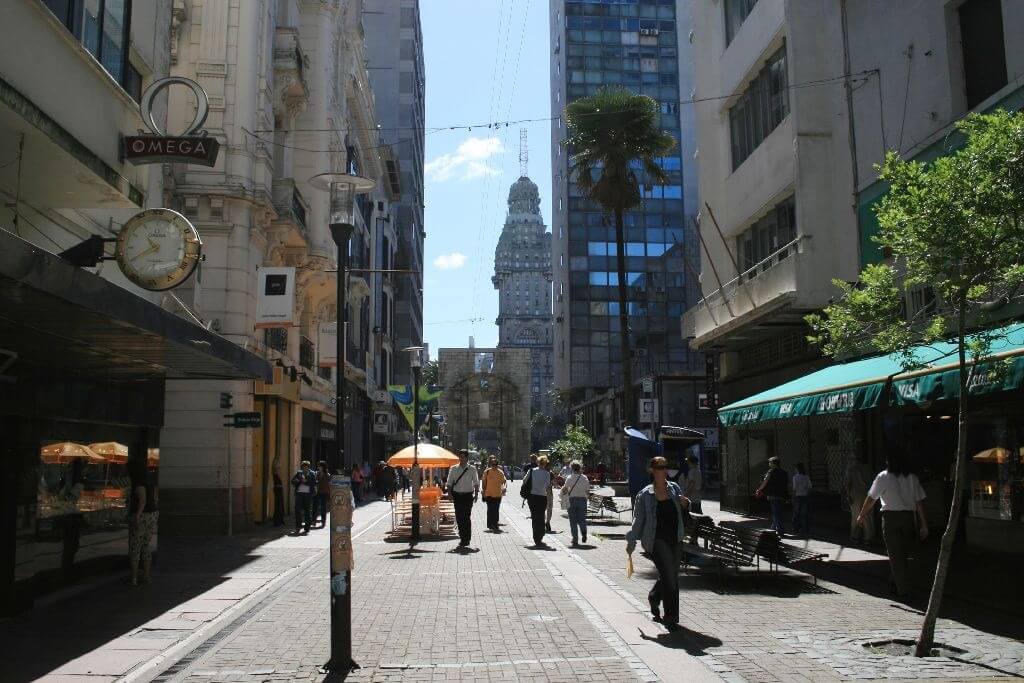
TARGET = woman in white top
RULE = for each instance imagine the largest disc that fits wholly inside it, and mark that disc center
(576, 489)
(539, 480)
(901, 495)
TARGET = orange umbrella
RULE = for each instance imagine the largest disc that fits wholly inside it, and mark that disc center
(429, 455)
(113, 451)
(997, 455)
(66, 451)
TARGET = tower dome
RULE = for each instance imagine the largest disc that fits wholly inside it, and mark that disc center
(524, 197)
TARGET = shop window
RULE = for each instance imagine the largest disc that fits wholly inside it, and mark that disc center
(984, 49)
(995, 469)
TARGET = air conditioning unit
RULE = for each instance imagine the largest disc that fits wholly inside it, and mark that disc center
(648, 31)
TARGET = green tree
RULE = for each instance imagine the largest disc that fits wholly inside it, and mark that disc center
(429, 373)
(576, 443)
(611, 135)
(956, 225)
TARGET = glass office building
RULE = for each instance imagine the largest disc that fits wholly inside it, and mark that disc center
(635, 44)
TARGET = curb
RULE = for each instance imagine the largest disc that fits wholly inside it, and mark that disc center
(154, 667)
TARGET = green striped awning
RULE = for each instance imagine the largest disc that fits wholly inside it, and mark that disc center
(859, 385)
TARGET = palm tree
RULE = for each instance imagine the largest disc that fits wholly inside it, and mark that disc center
(611, 135)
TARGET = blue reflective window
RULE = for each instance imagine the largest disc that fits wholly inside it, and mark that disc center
(598, 278)
(597, 248)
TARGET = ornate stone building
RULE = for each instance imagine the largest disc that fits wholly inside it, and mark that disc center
(522, 276)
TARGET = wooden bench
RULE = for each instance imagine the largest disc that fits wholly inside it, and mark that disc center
(597, 505)
(722, 548)
(766, 544)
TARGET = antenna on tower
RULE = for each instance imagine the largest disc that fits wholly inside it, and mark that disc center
(524, 154)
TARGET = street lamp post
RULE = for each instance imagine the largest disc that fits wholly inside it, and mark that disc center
(342, 188)
(416, 359)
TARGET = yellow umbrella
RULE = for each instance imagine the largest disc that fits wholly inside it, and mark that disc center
(113, 451)
(66, 451)
(429, 455)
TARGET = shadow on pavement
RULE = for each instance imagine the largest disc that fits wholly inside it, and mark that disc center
(693, 642)
(70, 624)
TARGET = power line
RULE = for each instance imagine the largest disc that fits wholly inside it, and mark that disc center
(501, 125)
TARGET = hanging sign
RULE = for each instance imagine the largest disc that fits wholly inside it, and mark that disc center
(327, 345)
(381, 422)
(194, 146)
(275, 297)
(648, 410)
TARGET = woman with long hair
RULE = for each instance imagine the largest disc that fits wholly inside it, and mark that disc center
(902, 496)
(658, 521)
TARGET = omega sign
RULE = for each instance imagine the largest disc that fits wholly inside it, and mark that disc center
(193, 146)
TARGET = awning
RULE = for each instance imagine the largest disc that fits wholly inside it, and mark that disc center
(861, 384)
(60, 318)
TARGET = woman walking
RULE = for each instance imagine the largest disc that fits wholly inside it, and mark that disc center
(658, 525)
(142, 522)
(357, 483)
(576, 489)
(901, 495)
(493, 483)
(539, 481)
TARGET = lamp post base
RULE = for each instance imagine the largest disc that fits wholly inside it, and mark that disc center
(415, 538)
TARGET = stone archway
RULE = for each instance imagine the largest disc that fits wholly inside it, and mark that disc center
(487, 389)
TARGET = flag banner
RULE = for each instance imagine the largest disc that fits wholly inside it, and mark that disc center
(402, 393)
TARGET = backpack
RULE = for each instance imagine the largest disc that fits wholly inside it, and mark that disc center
(524, 490)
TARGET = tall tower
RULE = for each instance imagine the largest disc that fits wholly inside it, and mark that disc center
(522, 276)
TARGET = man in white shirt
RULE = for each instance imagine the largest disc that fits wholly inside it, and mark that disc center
(463, 485)
(902, 496)
(576, 489)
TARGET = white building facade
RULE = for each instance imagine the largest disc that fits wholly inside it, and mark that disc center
(290, 99)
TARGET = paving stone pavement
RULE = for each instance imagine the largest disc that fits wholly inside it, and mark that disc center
(496, 613)
(744, 628)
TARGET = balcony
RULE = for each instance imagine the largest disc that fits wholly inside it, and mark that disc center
(276, 338)
(289, 228)
(291, 94)
(307, 353)
(784, 287)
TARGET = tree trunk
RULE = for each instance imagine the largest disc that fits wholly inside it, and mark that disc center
(927, 637)
(628, 404)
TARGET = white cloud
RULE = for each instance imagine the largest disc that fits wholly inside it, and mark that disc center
(450, 261)
(469, 161)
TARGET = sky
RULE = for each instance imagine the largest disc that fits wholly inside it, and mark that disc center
(486, 62)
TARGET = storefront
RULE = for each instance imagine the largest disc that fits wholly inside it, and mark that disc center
(841, 421)
(83, 364)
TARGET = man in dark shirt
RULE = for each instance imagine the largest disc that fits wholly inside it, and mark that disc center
(775, 487)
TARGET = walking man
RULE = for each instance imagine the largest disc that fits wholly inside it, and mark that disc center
(774, 487)
(494, 488)
(463, 484)
(576, 490)
(694, 484)
(304, 482)
(903, 516)
(538, 487)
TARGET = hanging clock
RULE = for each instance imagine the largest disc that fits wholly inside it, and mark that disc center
(158, 249)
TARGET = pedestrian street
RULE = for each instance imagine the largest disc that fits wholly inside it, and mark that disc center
(497, 610)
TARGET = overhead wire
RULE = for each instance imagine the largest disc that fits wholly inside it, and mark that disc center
(862, 77)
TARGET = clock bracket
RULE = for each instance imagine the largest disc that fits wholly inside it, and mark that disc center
(88, 253)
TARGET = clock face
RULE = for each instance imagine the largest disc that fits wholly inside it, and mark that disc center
(158, 249)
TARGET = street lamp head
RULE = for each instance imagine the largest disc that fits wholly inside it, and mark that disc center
(416, 359)
(343, 188)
